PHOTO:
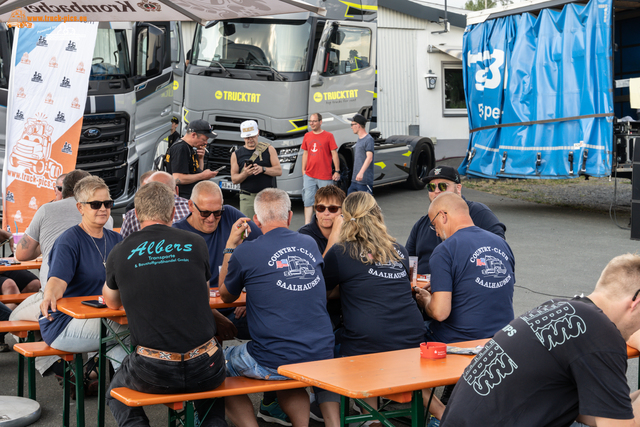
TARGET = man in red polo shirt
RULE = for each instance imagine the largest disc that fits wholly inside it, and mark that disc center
(319, 150)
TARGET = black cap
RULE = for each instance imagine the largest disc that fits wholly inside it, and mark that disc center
(359, 119)
(443, 172)
(201, 126)
(174, 119)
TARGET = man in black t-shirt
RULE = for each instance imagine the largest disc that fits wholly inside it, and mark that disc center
(175, 135)
(159, 274)
(562, 361)
(185, 158)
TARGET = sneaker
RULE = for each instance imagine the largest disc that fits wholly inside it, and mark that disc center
(4, 347)
(433, 422)
(272, 413)
(316, 413)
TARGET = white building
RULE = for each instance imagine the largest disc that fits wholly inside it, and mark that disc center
(412, 31)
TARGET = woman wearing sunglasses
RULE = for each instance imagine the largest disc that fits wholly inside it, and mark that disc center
(379, 313)
(77, 267)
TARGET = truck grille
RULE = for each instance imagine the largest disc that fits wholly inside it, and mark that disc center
(103, 149)
(220, 154)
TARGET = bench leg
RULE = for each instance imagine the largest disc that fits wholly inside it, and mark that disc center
(189, 419)
(31, 376)
(20, 375)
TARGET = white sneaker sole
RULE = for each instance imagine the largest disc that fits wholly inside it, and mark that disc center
(271, 419)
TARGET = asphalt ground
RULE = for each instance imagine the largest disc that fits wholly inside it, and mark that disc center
(559, 251)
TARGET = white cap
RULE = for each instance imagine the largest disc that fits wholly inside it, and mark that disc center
(249, 129)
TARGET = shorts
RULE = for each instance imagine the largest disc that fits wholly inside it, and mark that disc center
(21, 277)
(310, 186)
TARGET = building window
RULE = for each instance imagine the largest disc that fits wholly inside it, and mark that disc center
(453, 90)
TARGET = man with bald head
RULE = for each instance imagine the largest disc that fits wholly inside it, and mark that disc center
(131, 224)
(211, 219)
(472, 276)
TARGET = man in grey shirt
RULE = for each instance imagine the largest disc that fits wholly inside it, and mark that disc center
(362, 176)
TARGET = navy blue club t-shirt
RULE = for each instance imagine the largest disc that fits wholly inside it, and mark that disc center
(217, 240)
(477, 267)
(286, 298)
(77, 258)
(378, 310)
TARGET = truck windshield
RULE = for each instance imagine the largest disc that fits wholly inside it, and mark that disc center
(110, 56)
(254, 44)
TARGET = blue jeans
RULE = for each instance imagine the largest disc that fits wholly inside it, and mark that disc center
(203, 373)
(241, 364)
(355, 186)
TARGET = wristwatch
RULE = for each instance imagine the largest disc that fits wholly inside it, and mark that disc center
(264, 169)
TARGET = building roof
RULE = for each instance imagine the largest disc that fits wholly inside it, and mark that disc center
(428, 11)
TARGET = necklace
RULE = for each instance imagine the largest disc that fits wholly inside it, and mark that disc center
(104, 257)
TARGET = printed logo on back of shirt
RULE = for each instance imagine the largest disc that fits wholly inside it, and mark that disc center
(489, 368)
(297, 265)
(492, 265)
(555, 324)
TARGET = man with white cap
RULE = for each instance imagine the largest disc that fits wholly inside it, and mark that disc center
(254, 166)
(185, 158)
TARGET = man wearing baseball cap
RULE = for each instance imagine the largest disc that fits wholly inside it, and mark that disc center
(362, 177)
(423, 239)
(185, 158)
(254, 166)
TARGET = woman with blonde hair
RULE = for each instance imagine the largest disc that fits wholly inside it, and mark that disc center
(372, 269)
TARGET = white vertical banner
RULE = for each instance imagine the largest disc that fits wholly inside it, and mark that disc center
(47, 94)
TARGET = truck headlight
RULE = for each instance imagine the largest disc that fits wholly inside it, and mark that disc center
(288, 155)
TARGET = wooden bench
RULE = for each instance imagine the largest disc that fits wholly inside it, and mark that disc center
(24, 330)
(180, 405)
(73, 363)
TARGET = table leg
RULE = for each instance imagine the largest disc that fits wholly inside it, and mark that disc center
(417, 408)
(344, 410)
(79, 373)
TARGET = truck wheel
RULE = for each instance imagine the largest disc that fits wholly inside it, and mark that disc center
(54, 171)
(40, 167)
(420, 165)
(345, 174)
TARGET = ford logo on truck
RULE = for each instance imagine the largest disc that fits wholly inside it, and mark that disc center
(92, 133)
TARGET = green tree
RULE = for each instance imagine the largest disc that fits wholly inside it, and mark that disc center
(484, 4)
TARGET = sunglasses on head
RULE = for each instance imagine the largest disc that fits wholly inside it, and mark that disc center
(332, 208)
(96, 204)
(207, 214)
(442, 186)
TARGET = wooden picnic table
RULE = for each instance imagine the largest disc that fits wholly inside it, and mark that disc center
(399, 375)
(15, 298)
(73, 307)
(26, 265)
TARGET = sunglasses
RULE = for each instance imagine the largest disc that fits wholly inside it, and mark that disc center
(207, 214)
(442, 186)
(432, 226)
(96, 204)
(59, 188)
(332, 208)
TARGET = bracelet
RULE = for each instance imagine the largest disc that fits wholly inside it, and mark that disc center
(228, 251)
